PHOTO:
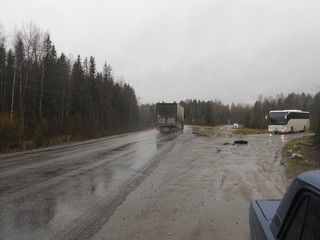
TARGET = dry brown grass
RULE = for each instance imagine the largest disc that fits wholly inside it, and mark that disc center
(309, 151)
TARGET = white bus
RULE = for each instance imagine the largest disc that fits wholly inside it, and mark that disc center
(284, 121)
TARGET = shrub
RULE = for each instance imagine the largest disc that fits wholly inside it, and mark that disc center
(42, 134)
(9, 134)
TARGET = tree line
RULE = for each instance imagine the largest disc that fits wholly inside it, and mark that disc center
(251, 116)
(212, 113)
(45, 95)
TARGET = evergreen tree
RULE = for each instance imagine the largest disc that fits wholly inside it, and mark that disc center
(50, 86)
(63, 76)
(79, 103)
(93, 97)
(49, 97)
(107, 95)
(18, 74)
(315, 117)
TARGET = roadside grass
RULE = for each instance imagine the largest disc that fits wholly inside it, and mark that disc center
(308, 157)
(41, 140)
(247, 131)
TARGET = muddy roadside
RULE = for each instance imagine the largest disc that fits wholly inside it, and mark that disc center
(202, 188)
(300, 155)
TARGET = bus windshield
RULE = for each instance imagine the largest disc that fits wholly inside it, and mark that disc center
(277, 118)
(288, 121)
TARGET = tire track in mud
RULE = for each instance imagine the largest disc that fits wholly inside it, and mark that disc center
(269, 173)
(89, 223)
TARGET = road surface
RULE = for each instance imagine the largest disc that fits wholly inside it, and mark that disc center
(145, 185)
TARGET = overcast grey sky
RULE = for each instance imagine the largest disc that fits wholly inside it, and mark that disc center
(172, 50)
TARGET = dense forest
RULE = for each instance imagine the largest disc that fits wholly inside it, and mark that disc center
(45, 95)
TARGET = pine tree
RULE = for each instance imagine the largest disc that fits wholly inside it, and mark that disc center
(63, 76)
(49, 87)
(79, 93)
(93, 97)
(107, 95)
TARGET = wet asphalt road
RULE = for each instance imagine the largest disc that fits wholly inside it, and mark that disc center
(69, 191)
(202, 188)
(145, 185)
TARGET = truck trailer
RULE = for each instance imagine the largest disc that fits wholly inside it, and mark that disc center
(169, 117)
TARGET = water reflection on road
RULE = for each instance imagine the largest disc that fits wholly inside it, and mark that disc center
(164, 138)
(63, 192)
(284, 138)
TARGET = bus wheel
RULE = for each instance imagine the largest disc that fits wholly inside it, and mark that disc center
(291, 130)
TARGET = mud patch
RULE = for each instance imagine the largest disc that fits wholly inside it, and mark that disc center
(201, 189)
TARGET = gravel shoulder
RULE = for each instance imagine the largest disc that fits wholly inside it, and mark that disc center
(202, 188)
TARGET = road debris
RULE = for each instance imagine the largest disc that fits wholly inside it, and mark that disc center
(296, 156)
(240, 142)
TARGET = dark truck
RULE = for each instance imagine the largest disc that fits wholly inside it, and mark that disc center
(296, 216)
(169, 117)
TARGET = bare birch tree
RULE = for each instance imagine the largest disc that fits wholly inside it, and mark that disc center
(18, 64)
(2, 69)
(33, 39)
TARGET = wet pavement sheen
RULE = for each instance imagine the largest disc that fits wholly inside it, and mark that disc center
(67, 192)
(140, 185)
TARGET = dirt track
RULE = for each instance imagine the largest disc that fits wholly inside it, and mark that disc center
(202, 188)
